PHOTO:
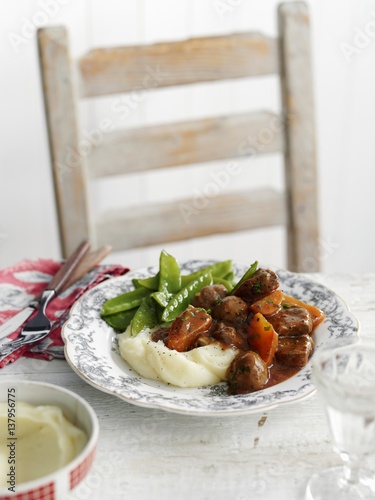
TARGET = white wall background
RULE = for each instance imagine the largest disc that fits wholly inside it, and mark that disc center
(344, 68)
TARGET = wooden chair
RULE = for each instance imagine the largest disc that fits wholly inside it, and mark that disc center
(122, 69)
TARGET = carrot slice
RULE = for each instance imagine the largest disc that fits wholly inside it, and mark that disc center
(316, 314)
(262, 338)
(269, 304)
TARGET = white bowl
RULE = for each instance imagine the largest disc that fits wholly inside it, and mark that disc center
(57, 484)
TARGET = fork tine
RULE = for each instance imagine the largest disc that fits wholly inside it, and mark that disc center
(21, 341)
(11, 347)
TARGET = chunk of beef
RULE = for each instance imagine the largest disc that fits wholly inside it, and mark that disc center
(247, 373)
(293, 321)
(160, 334)
(294, 351)
(186, 328)
(229, 336)
(260, 284)
(209, 296)
(231, 309)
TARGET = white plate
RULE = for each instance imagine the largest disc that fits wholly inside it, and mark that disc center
(91, 350)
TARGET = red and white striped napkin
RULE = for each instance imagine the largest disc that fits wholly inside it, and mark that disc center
(22, 282)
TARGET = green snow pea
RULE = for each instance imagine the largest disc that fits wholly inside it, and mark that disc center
(170, 275)
(169, 279)
(121, 320)
(230, 277)
(228, 281)
(145, 317)
(161, 298)
(218, 270)
(246, 276)
(179, 302)
(124, 302)
(152, 283)
(222, 281)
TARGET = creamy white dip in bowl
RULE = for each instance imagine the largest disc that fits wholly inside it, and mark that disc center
(48, 438)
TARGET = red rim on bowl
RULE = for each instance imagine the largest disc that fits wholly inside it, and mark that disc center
(57, 484)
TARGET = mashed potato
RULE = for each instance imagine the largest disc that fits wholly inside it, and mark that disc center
(46, 441)
(202, 366)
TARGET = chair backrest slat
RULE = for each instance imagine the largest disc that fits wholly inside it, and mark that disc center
(228, 213)
(124, 69)
(198, 141)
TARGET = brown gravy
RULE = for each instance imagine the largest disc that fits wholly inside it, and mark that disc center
(279, 373)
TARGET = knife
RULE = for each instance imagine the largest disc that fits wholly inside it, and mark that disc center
(85, 263)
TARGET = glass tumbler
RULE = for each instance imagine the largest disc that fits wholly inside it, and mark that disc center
(344, 374)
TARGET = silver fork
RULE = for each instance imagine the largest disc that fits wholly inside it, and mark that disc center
(35, 329)
(39, 327)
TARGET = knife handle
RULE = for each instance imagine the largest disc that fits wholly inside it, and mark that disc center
(65, 272)
(87, 263)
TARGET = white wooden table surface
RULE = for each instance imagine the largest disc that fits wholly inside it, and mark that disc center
(151, 454)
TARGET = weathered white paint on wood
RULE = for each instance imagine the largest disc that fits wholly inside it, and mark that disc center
(185, 143)
(123, 69)
(191, 218)
(148, 454)
(66, 160)
(300, 155)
